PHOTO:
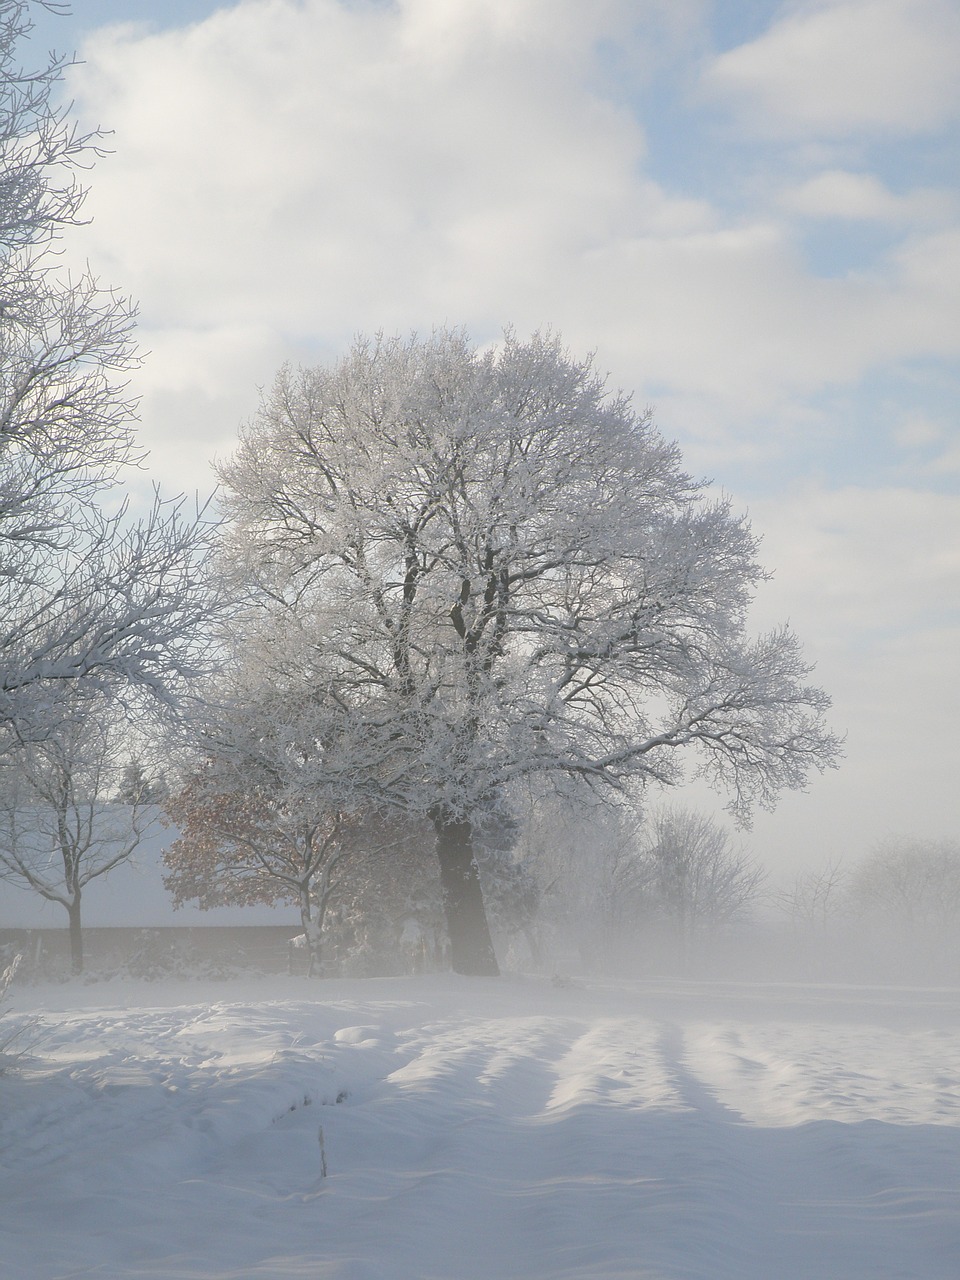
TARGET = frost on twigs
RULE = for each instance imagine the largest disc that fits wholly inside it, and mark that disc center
(474, 572)
(92, 599)
(7, 976)
(107, 616)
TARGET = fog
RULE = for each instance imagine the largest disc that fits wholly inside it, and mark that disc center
(650, 1089)
(766, 946)
(597, 896)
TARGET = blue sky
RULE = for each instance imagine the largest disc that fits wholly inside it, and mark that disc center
(750, 211)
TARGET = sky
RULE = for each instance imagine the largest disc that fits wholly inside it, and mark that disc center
(749, 210)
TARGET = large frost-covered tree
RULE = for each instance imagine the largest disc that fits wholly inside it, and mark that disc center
(473, 567)
(90, 599)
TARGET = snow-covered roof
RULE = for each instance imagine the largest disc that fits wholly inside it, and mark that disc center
(132, 895)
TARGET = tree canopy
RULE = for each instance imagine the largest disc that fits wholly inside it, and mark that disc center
(476, 568)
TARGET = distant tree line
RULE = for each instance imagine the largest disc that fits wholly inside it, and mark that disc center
(894, 913)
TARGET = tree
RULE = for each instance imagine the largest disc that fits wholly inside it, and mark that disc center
(686, 872)
(241, 847)
(815, 898)
(58, 830)
(476, 567)
(581, 855)
(250, 827)
(904, 907)
(385, 915)
(817, 906)
(90, 600)
(253, 829)
(138, 786)
(36, 140)
(912, 883)
(511, 892)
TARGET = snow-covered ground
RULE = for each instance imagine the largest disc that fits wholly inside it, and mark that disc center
(440, 1128)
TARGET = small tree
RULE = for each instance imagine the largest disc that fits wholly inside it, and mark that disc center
(815, 898)
(385, 915)
(58, 830)
(476, 568)
(913, 884)
(580, 853)
(241, 847)
(253, 828)
(817, 905)
(139, 786)
(687, 874)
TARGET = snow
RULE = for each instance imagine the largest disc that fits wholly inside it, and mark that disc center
(443, 1128)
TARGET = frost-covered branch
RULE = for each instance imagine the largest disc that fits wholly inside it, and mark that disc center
(469, 568)
(91, 599)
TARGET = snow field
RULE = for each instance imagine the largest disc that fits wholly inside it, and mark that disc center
(477, 1130)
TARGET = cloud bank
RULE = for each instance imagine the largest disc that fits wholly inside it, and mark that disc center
(286, 174)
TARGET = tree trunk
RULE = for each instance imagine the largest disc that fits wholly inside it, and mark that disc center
(311, 935)
(76, 936)
(471, 948)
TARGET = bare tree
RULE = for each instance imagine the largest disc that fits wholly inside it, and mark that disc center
(253, 828)
(912, 883)
(58, 829)
(36, 139)
(817, 907)
(687, 873)
(89, 598)
(580, 852)
(815, 897)
(477, 567)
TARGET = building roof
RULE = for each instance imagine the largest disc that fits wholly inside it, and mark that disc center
(132, 895)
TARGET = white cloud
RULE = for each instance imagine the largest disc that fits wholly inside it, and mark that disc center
(870, 580)
(831, 68)
(285, 174)
(349, 152)
(861, 566)
(195, 388)
(733, 314)
(922, 313)
(932, 446)
(304, 171)
(917, 431)
(837, 193)
(310, 170)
